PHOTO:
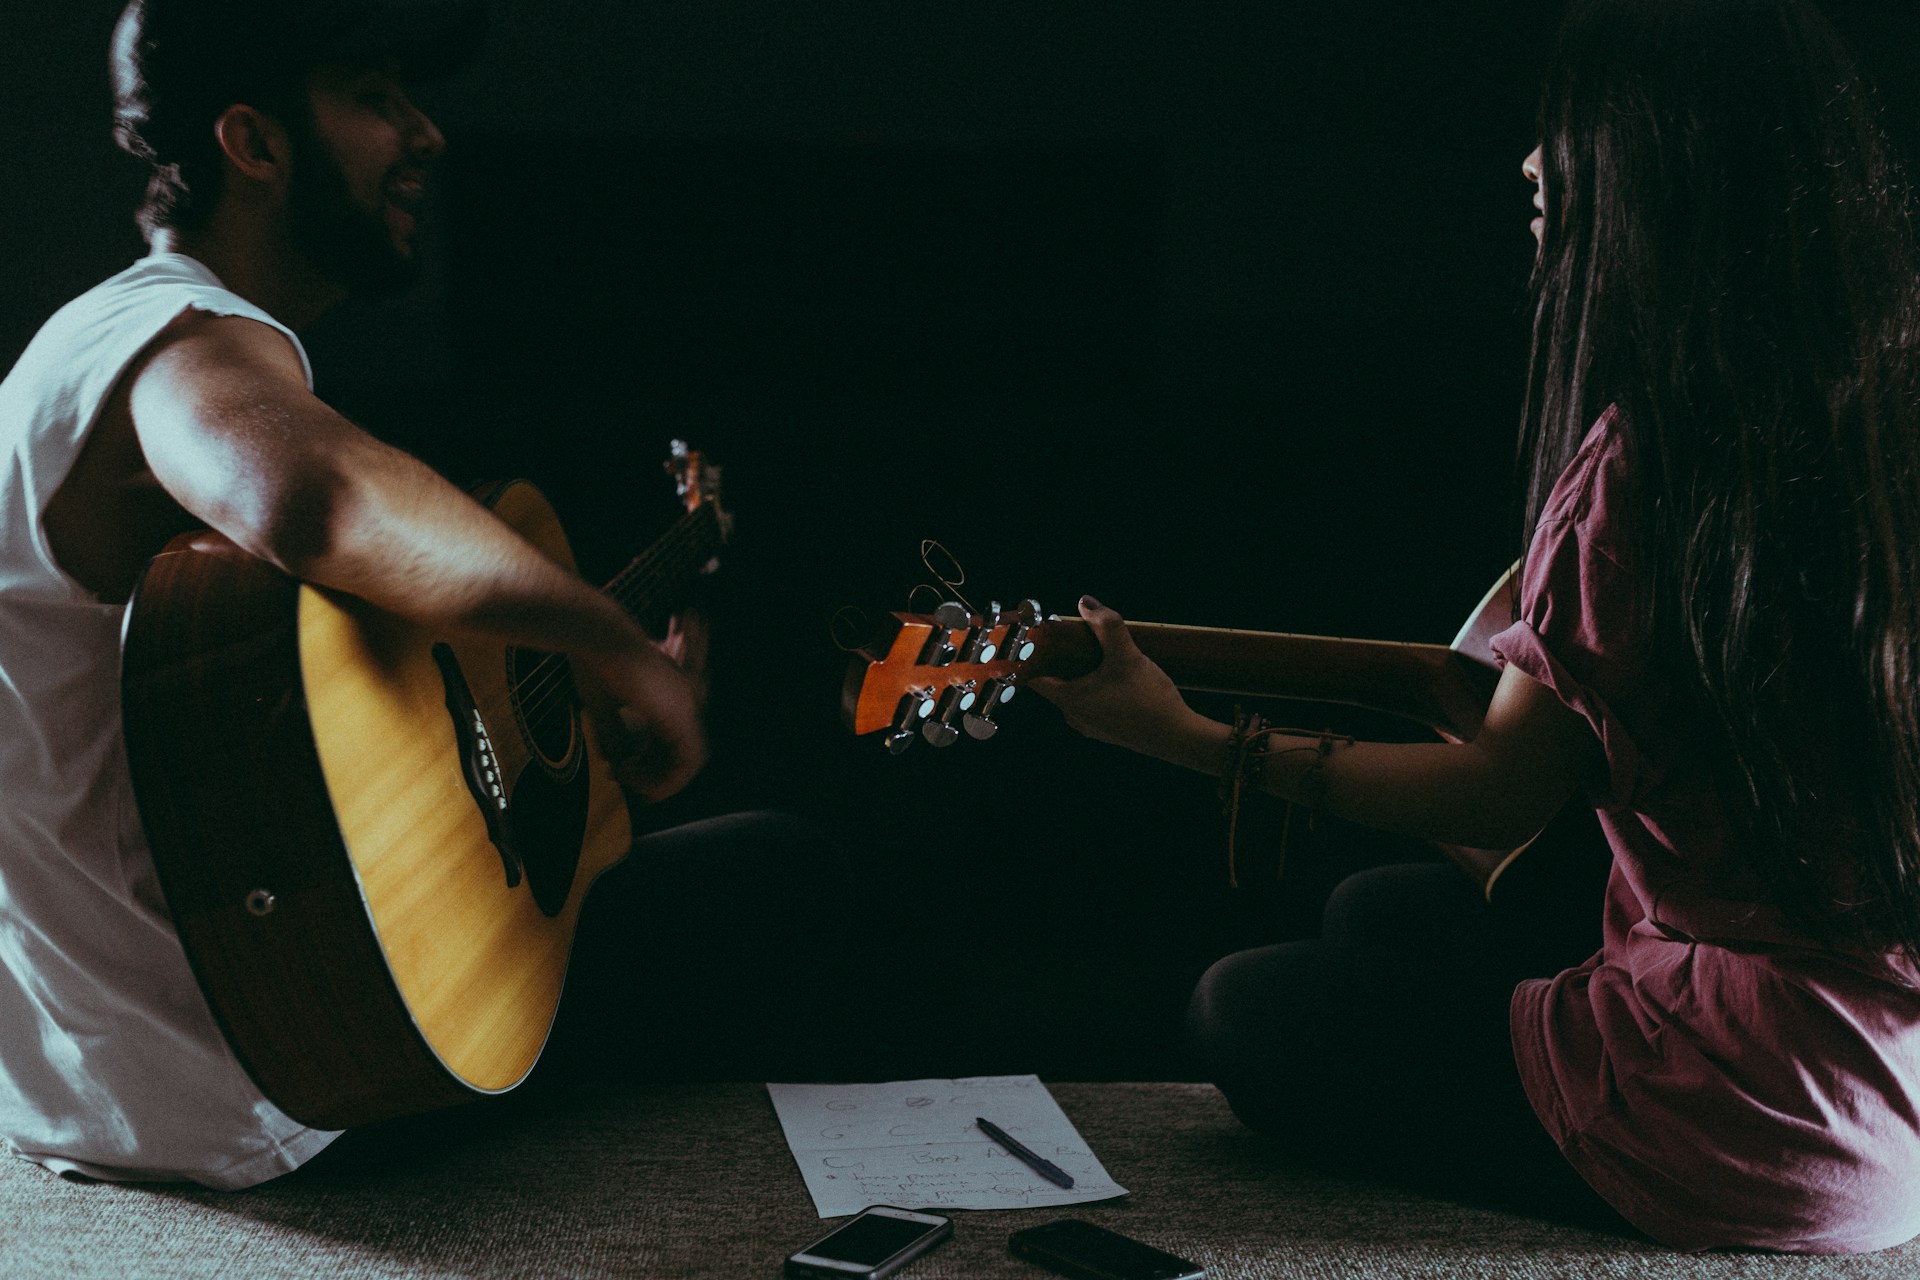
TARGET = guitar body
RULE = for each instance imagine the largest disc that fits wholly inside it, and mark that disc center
(374, 843)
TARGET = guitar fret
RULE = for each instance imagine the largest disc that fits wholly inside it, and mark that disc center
(657, 576)
(665, 570)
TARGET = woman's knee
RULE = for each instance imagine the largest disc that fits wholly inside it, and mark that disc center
(1413, 906)
(1247, 1006)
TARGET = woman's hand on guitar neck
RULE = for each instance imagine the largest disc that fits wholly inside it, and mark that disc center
(646, 717)
(1494, 792)
(1128, 700)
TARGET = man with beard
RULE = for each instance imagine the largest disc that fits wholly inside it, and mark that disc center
(287, 162)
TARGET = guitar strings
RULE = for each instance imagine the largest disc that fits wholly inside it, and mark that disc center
(677, 557)
(850, 619)
(682, 528)
(848, 616)
(664, 564)
(646, 570)
(927, 547)
(547, 688)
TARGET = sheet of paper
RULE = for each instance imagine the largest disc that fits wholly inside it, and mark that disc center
(913, 1144)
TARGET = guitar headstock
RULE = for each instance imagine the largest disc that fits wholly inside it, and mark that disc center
(698, 482)
(937, 675)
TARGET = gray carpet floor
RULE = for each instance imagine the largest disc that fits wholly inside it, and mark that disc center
(696, 1181)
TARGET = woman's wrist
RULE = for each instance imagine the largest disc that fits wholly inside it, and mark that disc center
(1192, 741)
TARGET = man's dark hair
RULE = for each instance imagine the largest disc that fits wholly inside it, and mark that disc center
(176, 68)
(177, 65)
(187, 167)
(181, 190)
(1730, 258)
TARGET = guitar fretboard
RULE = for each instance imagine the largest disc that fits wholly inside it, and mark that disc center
(655, 585)
(652, 588)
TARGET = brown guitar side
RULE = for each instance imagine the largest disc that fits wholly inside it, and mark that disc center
(354, 928)
(268, 908)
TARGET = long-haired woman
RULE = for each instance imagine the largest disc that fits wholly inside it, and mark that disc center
(1716, 646)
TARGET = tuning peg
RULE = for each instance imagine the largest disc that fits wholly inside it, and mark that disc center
(1018, 647)
(957, 700)
(939, 651)
(915, 706)
(981, 648)
(979, 722)
(948, 618)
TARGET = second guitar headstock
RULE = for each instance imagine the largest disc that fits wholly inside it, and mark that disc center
(935, 676)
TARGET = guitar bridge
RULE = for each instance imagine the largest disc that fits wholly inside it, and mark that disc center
(480, 765)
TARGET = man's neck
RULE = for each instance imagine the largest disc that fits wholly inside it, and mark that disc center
(270, 275)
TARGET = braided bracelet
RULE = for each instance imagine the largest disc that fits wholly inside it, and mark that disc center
(1247, 751)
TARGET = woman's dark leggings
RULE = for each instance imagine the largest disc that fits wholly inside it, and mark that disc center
(1381, 1048)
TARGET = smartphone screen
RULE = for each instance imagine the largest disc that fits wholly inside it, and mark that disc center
(870, 1239)
(875, 1244)
(1077, 1248)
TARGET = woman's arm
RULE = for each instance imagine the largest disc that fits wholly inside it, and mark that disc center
(1494, 792)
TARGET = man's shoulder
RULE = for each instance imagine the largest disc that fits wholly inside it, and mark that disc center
(159, 301)
(203, 344)
(153, 284)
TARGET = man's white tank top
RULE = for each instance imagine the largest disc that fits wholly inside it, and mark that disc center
(111, 1064)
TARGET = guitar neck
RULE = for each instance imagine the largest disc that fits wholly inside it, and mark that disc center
(1430, 684)
(659, 581)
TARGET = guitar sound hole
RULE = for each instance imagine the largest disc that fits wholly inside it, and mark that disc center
(547, 706)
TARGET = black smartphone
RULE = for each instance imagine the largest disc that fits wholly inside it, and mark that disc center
(876, 1242)
(1076, 1248)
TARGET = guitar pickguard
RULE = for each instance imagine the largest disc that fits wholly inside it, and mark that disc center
(536, 820)
(549, 821)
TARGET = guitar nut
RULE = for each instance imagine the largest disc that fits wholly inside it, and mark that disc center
(261, 902)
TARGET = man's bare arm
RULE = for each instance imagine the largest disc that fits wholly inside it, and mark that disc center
(225, 419)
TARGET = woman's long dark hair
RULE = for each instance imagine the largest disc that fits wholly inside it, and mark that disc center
(1730, 259)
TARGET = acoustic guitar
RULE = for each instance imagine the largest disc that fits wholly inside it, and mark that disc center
(375, 841)
(939, 676)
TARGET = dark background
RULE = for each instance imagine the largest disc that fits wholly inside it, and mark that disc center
(1212, 310)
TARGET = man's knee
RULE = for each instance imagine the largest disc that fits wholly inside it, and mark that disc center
(777, 851)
